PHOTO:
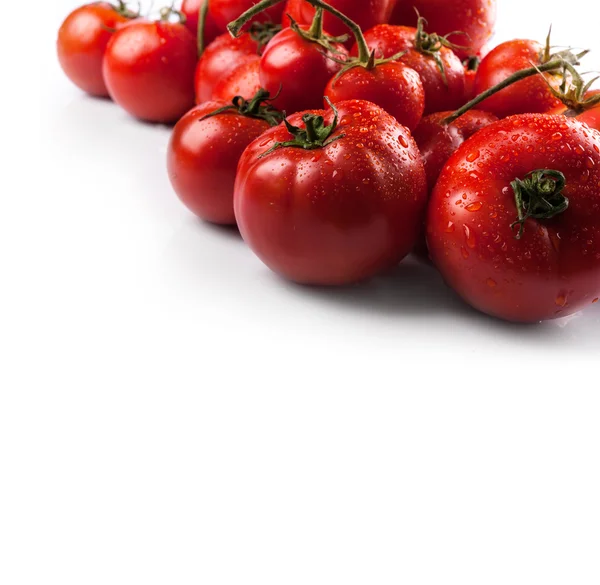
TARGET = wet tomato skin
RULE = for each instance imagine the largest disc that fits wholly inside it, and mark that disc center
(338, 214)
(202, 159)
(590, 116)
(82, 41)
(393, 86)
(149, 70)
(242, 80)
(554, 269)
(531, 95)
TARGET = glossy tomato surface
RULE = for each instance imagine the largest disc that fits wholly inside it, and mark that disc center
(226, 11)
(203, 155)
(191, 9)
(475, 18)
(531, 95)
(242, 80)
(149, 70)
(590, 116)
(553, 270)
(443, 91)
(339, 213)
(393, 86)
(82, 41)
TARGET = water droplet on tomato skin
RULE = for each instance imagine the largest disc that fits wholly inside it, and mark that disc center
(491, 283)
(464, 252)
(470, 236)
(473, 207)
(561, 300)
(595, 301)
(473, 156)
(450, 227)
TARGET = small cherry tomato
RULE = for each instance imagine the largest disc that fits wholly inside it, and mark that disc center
(315, 199)
(531, 95)
(514, 220)
(226, 11)
(205, 148)
(149, 70)
(475, 18)
(241, 81)
(441, 71)
(191, 9)
(82, 41)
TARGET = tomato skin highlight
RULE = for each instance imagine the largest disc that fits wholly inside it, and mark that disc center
(393, 86)
(554, 269)
(531, 95)
(242, 80)
(202, 159)
(334, 215)
(191, 9)
(387, 41)
(476, 18)
(149, 70)
(81, 44)
(297, 71)
(590, 116)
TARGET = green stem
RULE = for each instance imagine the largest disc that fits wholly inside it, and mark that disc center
(202, 16)
(316, 28)
(518, 76)
(236, 26)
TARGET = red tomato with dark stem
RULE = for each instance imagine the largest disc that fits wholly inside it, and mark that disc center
(149, 69)
(532, 95)
(475, 18)
(82, 41)
(578, 102)
(242, 81)
(293, 8)
(471, 67)
(205, 148)
(332, 199)
(191, 9)
(514, 220)
(441, 71)
(226, 11)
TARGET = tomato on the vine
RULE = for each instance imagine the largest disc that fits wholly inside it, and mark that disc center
(474, 18)
(332, 198)
(242, 81)
(514, 220)
(584, 107)
(205, 148)
(149, 69)
(191, 10)
(82, 41)
(226, 11)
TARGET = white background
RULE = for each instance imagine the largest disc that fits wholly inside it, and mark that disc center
(173, 413)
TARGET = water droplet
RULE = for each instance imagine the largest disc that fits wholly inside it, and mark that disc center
(464, 252)
(470, 236)
(474, 206)
(450, 227)
(556, 136)
(317, 157)
(595, 301)
(491, 283)
(402, 141)
(561, 300)
(473, 156)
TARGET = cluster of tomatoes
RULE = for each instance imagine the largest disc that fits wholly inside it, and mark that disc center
(341, 136)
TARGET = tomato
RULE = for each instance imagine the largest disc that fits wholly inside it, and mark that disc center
(82, 41)
(191, 10)
(471, 66)
(393, 86)
(226, 11)
(316, 201)
(297, 69)
(514, 220)
(531, 95)
(441, 71)
(242, 80)
(475, 18)
(295, 9)
(586, 110)
(203, 153)
(438, 141)
(149, 70)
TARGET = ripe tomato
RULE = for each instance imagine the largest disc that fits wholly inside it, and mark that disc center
(514, 220)
(191, 10)
(149, 70)
(297, 70)
(82, 41)
(438, 141)
(316, 201)
(203, 153)
(531, 95)
(226, 11)
(475, 18)
(586, 110)
(393, 86)
(295, 9)
(242, 80)
(441, 71)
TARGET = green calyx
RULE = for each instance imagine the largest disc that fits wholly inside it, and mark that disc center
(539, 196)
(314, 134)
(573, 92)
(168, 12)
(262, 33)
(122, 9)
(316, 34)
(258, 107)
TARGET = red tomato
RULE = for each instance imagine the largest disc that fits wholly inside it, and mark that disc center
(297, 70)
(203, 154)
(149, 70)
(475, 18)
(531, 95)
(295, 9)
(438, 141)
(471, 67)
(443, 81)
(393, 86)
(226, 11)
(82, 41)
(328, 211)
(514, 169)
(242, 80)
(191, 9)
(586, 110)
